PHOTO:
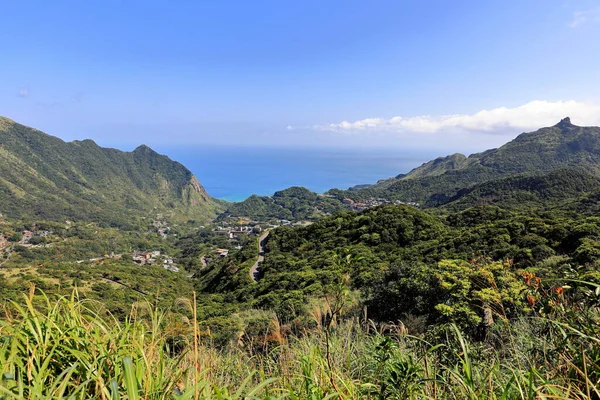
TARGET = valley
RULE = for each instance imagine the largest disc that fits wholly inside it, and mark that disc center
(471, 248)
(300, 200)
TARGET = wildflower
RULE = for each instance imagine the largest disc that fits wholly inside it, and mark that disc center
(559, 290)
(528, 276)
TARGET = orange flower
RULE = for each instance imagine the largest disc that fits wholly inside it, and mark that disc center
(527, 276)
(559, 291)
(531, 300)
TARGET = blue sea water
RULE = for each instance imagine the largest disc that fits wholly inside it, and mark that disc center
(234, 173)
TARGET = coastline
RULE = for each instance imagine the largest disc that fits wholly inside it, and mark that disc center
(235, 173)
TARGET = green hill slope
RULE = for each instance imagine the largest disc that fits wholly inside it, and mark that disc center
(481, 178)
(439, 166)
(294, 203)
(437, 182)
(43, 177)
(558, 189)
(397, 256)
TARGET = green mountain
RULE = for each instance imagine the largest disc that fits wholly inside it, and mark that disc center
(294, 203)
(559, 146)
(545, 168)
(43, 177)
(560, 189)
(440, 181)
(439, 166)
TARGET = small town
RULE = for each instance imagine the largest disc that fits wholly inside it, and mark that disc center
(372, 202)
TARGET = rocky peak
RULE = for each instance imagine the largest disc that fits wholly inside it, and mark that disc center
(565, 123)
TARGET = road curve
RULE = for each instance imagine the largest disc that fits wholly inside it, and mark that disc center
(254, 272)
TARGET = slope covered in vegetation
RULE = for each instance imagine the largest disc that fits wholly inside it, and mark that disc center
(43, 177)
(67, 348)
(558, 189)
(405, 262)
(295, 203)
(492, 296)
(562, 146)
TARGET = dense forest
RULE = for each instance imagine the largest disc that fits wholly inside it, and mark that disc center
(395, 257)
(391, 302)
(295, 203)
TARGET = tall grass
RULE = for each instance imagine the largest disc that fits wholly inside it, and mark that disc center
(71, 348)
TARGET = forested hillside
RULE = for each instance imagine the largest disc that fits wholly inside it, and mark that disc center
(531, 168)
(563, 188)
(295, 203)
(440, 181)
(45, 178)
(406, 247)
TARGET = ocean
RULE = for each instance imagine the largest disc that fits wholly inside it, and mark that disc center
(234, 173)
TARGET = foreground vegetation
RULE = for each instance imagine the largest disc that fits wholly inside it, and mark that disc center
(389, 303)
(73, 348)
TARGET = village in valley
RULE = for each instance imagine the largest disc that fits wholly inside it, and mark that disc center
(218, 239)
(221, 238)
(373, 202)
(237, 229)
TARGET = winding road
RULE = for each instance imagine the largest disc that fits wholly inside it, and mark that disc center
(254, 272)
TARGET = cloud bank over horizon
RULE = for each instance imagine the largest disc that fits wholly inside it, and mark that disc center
(530, 116)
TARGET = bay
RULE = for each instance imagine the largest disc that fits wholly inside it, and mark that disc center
(234, 173)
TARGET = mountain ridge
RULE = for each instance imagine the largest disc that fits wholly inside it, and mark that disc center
(42, 174)
(457, 179)
(563, 145)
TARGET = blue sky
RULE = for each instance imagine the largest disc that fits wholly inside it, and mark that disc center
(407, 74)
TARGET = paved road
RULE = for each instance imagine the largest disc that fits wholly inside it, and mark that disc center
(254, 272)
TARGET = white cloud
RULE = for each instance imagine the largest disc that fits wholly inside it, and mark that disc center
(530, 116)
(583, 17)
(23, 92)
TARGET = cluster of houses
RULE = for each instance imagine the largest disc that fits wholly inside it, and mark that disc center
(26, 241)
(372, 202)
(410, 203)
(161, 228)
(141, 258)
(154, 258)
(28, 235)
(235, 232)
(218, 253)
(253, 227)
(285, 222)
